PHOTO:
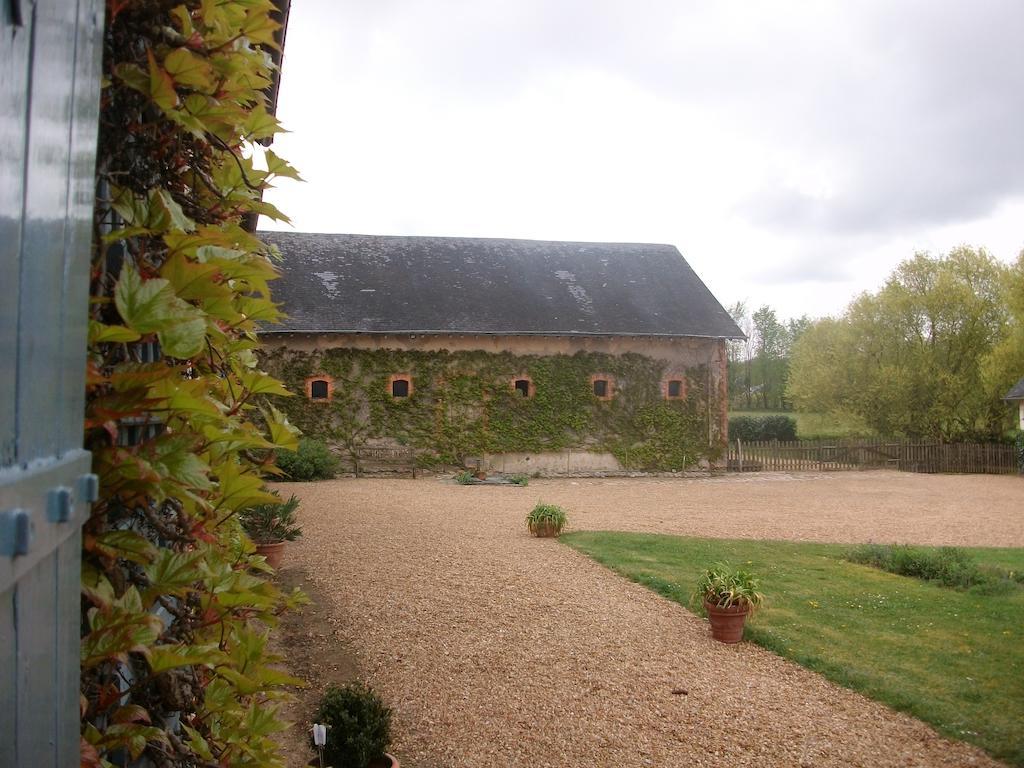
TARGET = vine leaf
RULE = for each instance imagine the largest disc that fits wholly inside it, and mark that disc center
(260, 383)
(188, 69)
(164, 657)
(127, 545)
(100, 333)
(238, 489)
(165, 213)
(161, 86)
(172, 573)
(282, 432)
(151, 306)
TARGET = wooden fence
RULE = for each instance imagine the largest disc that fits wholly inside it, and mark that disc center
(907, 455)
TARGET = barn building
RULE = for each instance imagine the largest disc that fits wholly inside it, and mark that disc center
(533, 356)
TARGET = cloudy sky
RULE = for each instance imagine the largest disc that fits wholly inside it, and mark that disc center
(793, 151)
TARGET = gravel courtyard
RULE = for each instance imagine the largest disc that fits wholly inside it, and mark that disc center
(497, 649)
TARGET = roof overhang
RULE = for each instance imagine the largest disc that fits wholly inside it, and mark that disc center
(296, 332)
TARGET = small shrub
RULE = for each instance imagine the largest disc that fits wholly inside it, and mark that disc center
(546, 520)
(313, 461)
(950, 566)
(270, 523)
(465, 478)
(358, 726)
(727, 587)
(776, 427)
(521, 480)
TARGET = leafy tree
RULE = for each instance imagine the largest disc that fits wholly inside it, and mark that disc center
(741, 354)
(1005, 366)
(759, 364)
(911, 359)
(771, 347)
(795, 328)
(175, 669)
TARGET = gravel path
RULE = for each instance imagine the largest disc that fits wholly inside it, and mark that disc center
(497, 649)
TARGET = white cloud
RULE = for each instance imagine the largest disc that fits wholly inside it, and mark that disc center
(794, 151)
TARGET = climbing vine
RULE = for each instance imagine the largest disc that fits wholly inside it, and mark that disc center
(175, 609)
(463, 404)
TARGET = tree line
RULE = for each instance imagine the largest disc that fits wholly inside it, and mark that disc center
(930, 354)
(759, 364)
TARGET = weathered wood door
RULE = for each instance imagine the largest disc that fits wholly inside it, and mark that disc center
(49, 99)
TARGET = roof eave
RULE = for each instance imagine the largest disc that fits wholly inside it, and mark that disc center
(624, 334)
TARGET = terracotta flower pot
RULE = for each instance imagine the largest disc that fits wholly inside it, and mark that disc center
(545, 530)
(727, 623)
(274, 552)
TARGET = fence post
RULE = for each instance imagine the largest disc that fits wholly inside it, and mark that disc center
(739, 448)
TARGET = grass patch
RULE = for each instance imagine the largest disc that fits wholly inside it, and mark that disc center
(953, 658)
(819, 426)
(949, 566)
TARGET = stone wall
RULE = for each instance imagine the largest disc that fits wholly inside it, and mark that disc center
(462, 402)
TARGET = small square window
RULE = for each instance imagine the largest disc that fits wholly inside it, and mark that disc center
(320, 388)
(400, 388)
(673, 386)
(603, 386)
(522, 386)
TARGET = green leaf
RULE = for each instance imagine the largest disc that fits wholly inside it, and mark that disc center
(161, 86)
(164, 657)
(175, 456)
(283, 434)
(194, 281)
(257, 309)
(280, 167)
(119, 631)
(173, 573)
(165, 213)
(236, 439)
(197, 743)
(96, 587)
(239, 488)
(133, 737)
(183, 396)
(260, 27)
(260, 383)
(269, 210)
(127, 545)
(260, 124)
(100, 333)
(133, 76)
(151, 306)
(188, 69)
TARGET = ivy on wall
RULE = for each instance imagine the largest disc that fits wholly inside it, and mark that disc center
(463, 404)
(176, 669)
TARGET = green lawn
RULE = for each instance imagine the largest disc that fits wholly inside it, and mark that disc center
(954, 659)
(813, 426)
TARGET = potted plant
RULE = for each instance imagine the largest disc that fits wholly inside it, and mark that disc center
(546, 520)
(358, 728)
(270, 526)
(729, 596)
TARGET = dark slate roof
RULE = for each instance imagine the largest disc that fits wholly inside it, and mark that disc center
(1017, 393)
(377, 284)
